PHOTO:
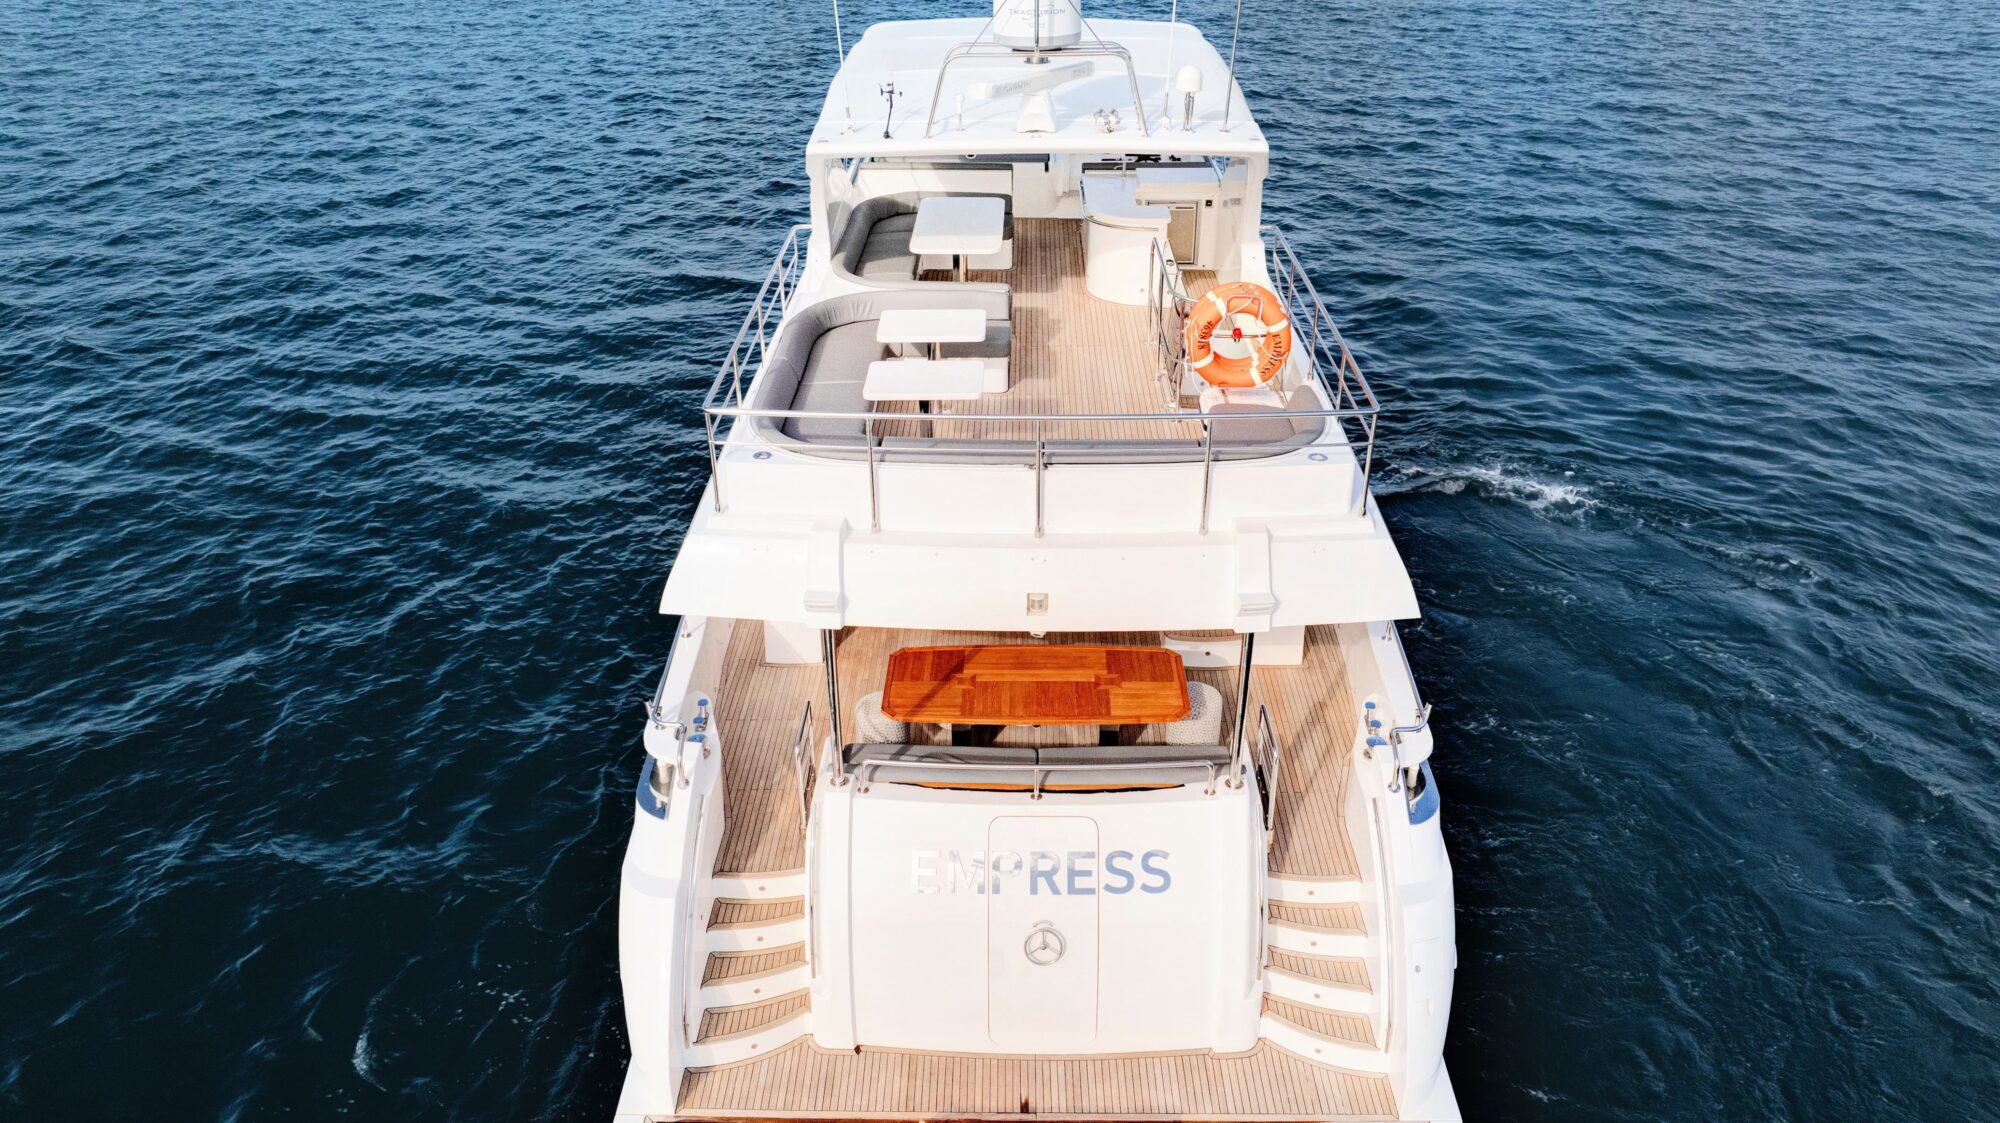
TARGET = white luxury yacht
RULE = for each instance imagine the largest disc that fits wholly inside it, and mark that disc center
(1036, 740)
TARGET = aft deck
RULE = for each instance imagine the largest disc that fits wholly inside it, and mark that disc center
(758, 706)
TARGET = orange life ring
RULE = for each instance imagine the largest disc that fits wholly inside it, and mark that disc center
(1238, 335)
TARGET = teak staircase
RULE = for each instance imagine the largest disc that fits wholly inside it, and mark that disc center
(755, 987)
(1317, 999)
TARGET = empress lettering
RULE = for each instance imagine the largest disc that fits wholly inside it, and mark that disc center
(1035, 873)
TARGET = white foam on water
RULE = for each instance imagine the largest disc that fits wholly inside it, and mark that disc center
(364, 1061)
(1532, 491)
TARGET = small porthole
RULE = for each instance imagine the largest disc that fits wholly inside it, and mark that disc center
(1316, 457)
(760, 454)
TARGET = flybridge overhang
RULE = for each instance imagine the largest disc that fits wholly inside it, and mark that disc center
(1255, 576)
(1128, 86)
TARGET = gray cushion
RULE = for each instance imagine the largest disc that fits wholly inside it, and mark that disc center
(886, 253)
(863, 256)
(1238, 426)
(835, 370)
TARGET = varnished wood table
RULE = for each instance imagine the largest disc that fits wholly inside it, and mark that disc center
(1035, 684)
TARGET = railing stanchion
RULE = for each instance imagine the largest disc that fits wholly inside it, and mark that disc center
(714, 463)
(874, 494)
(1207, 468)
(1039, 483)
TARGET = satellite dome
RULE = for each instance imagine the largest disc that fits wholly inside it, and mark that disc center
(1014, 23)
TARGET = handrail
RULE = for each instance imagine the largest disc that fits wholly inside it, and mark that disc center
(656, 708)
(772, 296)
(799, 769)
(1416, 697)
(1326, 348)
(868, 768)
(976, 49)
(1167, 291)
(1273, 760)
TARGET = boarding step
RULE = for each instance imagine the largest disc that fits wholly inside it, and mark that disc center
(733, 912)
(1295, 890)
(729, 968)
(718, 1022)
(757, 935)
(755, 986)
(1337, 983)
(758, 1041)
(1320, 918)
(1320, 930)
(759, 886)
(1331, 1037)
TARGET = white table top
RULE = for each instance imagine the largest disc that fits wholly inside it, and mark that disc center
(959, 225)
(931, 325)
(924, 380)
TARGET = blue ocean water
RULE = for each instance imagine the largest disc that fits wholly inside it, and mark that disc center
(349, 353)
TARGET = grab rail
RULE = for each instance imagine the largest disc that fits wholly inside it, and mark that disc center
(1416, 697)
(1273, 760)
(799, 769)
(1168, 301)
(1100, 49)
(869, 768)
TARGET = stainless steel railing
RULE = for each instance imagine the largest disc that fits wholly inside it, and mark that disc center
(995, 51)
(1039, 773)
(1168, 307)
(801, 765)
(1334, 368)
(1273, 754)
(1329, 367)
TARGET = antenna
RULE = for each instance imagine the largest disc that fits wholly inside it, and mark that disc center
(1229, 91)
(840, 52)
(1037, 115)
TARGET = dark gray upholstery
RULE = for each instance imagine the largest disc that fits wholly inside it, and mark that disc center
(874, 245)
(1241, 426)
(821, 358)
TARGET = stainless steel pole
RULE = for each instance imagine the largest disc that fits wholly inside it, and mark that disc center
(826, 649)
(1243, 704)
(1229, 87)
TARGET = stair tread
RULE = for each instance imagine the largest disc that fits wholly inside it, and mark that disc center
(1330, 918)
(724, 1021)
(1337, 970)
(1354, 1029)
(736, 910)
(737, 964)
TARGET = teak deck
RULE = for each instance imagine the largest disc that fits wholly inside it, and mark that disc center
(757, 713)
(1073, 353)
(1035, 684)
(758, 705)
(1264, 1083)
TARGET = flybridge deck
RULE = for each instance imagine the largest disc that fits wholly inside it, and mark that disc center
(1130, 100)
(962, 413)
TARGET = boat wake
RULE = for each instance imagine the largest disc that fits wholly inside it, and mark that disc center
(1496, 482)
